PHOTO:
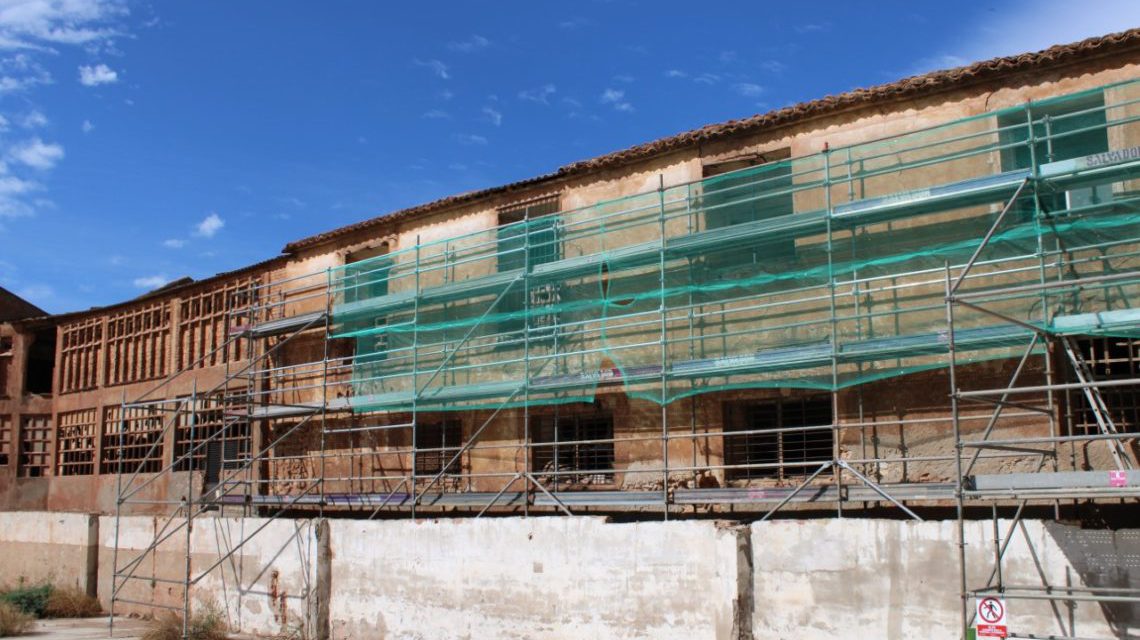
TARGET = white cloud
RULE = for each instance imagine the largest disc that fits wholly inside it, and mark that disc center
(21, 72)
(707, 78)
(472, 44)
(496, 117)
(748, 89)
(87, 126)
(676, 73)
(773, 66)
(174, 243)
(437, 114)
(151, 282)
(437, 67)
(4, 124)
(1019, 27)
(36, 293)
(37, 24)
(471, 139)
(623, 77)
(616, 98)
(36, 153)
(573, 23)
(33, 120)
(813, 27)
(540, 95)
(727, 57)
(208, 227)
(97, 75)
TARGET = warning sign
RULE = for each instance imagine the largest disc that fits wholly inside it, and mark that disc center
(991, 618)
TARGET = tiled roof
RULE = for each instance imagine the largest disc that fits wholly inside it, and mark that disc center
(916, 86)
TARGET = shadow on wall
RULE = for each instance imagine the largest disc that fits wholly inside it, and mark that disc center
(1104, 558)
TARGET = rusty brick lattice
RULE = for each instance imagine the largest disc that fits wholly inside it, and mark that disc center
(35, 446)
(138, 341)
(81, 344)
(5, 439)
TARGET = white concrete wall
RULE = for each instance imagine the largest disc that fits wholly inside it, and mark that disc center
(38, 548)
(557, 577)
(890, 579)
(534, 578)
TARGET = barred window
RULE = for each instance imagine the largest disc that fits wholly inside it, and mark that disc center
(132, 436)
(79, 354)
(76, 442)
(574, 449)
(5, 438)
(210, 421)
(785, 438)
(436, 444)
(35, 446)
(1109, 359)
(521, 245)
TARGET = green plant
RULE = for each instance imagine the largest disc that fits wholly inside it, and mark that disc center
(31, 600)
(13, 621)
(71, 602)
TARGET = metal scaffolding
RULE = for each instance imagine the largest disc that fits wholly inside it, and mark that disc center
(473, 374)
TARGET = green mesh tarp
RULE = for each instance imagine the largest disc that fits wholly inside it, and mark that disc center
(820, 272)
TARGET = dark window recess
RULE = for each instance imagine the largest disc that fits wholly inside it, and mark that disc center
(748, 190)
(222, 456)
(437, 443)
(41, 362)
(366, 276)
(574, 449)
(5, 363)
(210, 424)
(1071, 129)
(1109, 359)
(529, 234)
(775, 453)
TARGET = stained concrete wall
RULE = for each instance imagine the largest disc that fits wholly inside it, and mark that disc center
(263, 587)
(533, 578)
(583, 577)
(41, 547)
(857, 578)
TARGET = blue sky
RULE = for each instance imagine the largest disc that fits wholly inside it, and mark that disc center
(142, 142)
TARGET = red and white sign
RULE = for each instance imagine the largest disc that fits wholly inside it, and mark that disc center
(991, 618)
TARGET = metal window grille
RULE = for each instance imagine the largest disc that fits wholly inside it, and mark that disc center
(764, 450)
(1109, 359)
(574, 449)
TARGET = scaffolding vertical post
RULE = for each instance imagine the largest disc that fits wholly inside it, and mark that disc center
(526, 355)
(415, 378)
(193, 414)
(955, 418)
(834, 327)
(118, 515)
(325, 389)
(664, 352)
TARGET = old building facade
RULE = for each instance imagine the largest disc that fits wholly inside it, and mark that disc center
(748, 315)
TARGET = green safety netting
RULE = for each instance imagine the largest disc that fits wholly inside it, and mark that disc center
(820, 272)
